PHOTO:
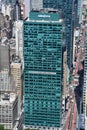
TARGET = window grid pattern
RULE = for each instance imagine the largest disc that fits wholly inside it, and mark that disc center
(42, 92)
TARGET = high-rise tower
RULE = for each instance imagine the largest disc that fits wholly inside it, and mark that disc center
(66, 8)
(36, 4)
(68, 30)
(42, 70)
(56, 4)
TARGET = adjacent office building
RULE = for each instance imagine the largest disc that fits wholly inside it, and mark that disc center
(7, 2)
(19, 39)
(68, 30)
(7, 83)
(16, 71)
(17, 11)
(43, 70)
(56, 4)
(4, 57)
(27, 8)
(80, 10)
(2, 21)
(36, 4)
(65, 90)
(66, 8)
(8, 110)
(32, 4)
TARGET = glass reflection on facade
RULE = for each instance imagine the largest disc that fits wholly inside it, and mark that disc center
(43, 69)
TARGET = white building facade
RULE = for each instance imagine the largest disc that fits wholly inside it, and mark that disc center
(7, 83)
(27, 7)
(19, 39)
(8, 110)
(16, 72)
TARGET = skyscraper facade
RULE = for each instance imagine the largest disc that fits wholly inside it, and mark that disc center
(8, 1)
(68, 30)
(43, 70)
(56, 4)
(36, 4)
(80, 10)
(66, 7)
(17, 11)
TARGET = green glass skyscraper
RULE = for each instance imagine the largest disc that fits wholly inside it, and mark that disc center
(42, 70)
(66, 8)
(56, 4)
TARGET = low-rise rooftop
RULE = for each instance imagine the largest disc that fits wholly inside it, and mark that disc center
(7, 98)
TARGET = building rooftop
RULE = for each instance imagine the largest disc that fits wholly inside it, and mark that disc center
(6, 98)
(46, 10)
(16, 64)
(16, 59)
(45, 15)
